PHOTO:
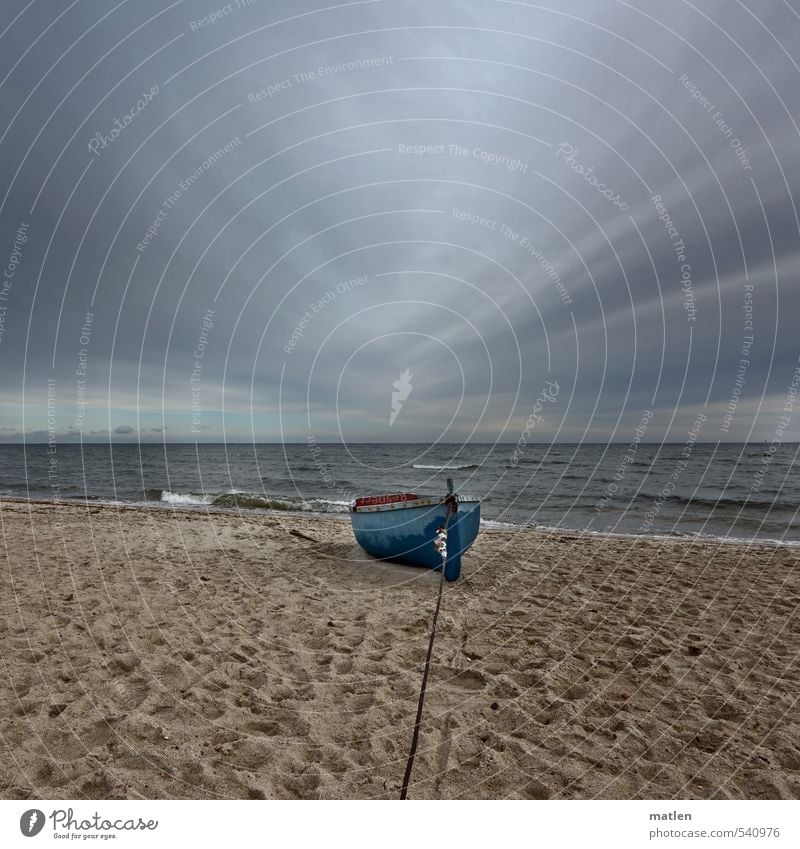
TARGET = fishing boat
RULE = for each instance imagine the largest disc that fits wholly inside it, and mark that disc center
(402, 527)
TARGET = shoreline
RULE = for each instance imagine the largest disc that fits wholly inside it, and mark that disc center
(199, 654)
(487, 525)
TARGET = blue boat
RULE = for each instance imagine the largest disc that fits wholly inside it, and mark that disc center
(402, 528)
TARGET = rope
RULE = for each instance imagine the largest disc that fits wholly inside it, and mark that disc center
(441, 546)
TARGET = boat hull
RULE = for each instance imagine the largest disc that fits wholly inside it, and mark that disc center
(405, 534)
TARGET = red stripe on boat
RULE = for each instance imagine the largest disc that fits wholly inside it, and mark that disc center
(375, 500)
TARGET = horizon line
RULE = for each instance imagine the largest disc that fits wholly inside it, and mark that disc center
(369, 442)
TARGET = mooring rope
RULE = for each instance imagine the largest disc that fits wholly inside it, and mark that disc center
(441, 547)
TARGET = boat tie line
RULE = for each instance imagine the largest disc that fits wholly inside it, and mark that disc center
(441, 546)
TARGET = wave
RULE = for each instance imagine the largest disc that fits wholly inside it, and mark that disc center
(33, 486)
(496, 524)
(180, 498)
(541, 461)
(745, 503)
(324, 505)
(669, 535)
(242, 500)
(447, 467)
(246, 500)
(251, 501)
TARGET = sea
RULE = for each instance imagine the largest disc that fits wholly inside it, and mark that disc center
(729, 492)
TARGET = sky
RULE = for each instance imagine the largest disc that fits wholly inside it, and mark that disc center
(399, 221)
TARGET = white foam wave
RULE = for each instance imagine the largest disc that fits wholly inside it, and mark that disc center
(447, 467)
(325, 505)
(495, 523)
(185, 498)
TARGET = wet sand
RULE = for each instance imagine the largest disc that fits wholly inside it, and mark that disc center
(168, 654)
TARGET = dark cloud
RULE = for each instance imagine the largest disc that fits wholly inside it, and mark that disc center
(251, 228)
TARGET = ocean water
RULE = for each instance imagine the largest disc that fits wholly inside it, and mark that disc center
(736, 492)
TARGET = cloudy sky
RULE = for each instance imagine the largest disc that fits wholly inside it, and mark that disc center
(245, 221)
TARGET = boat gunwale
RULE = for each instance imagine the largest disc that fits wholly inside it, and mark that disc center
(410, 505)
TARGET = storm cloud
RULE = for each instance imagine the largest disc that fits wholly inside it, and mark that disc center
(248, 221)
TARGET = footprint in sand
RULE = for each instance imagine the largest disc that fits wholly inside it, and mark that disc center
(255, 793)
(343, 667)
(129, 693)
(720, 708)
(303, 784)
(358, 702)
(255, 753)
(465, 679)
(534, 789)
(575, 692)
(266, 729)
(98, 786)
(289, 725)
(71, 746)
(212, 710)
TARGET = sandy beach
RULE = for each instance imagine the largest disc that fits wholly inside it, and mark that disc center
(166, 654)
